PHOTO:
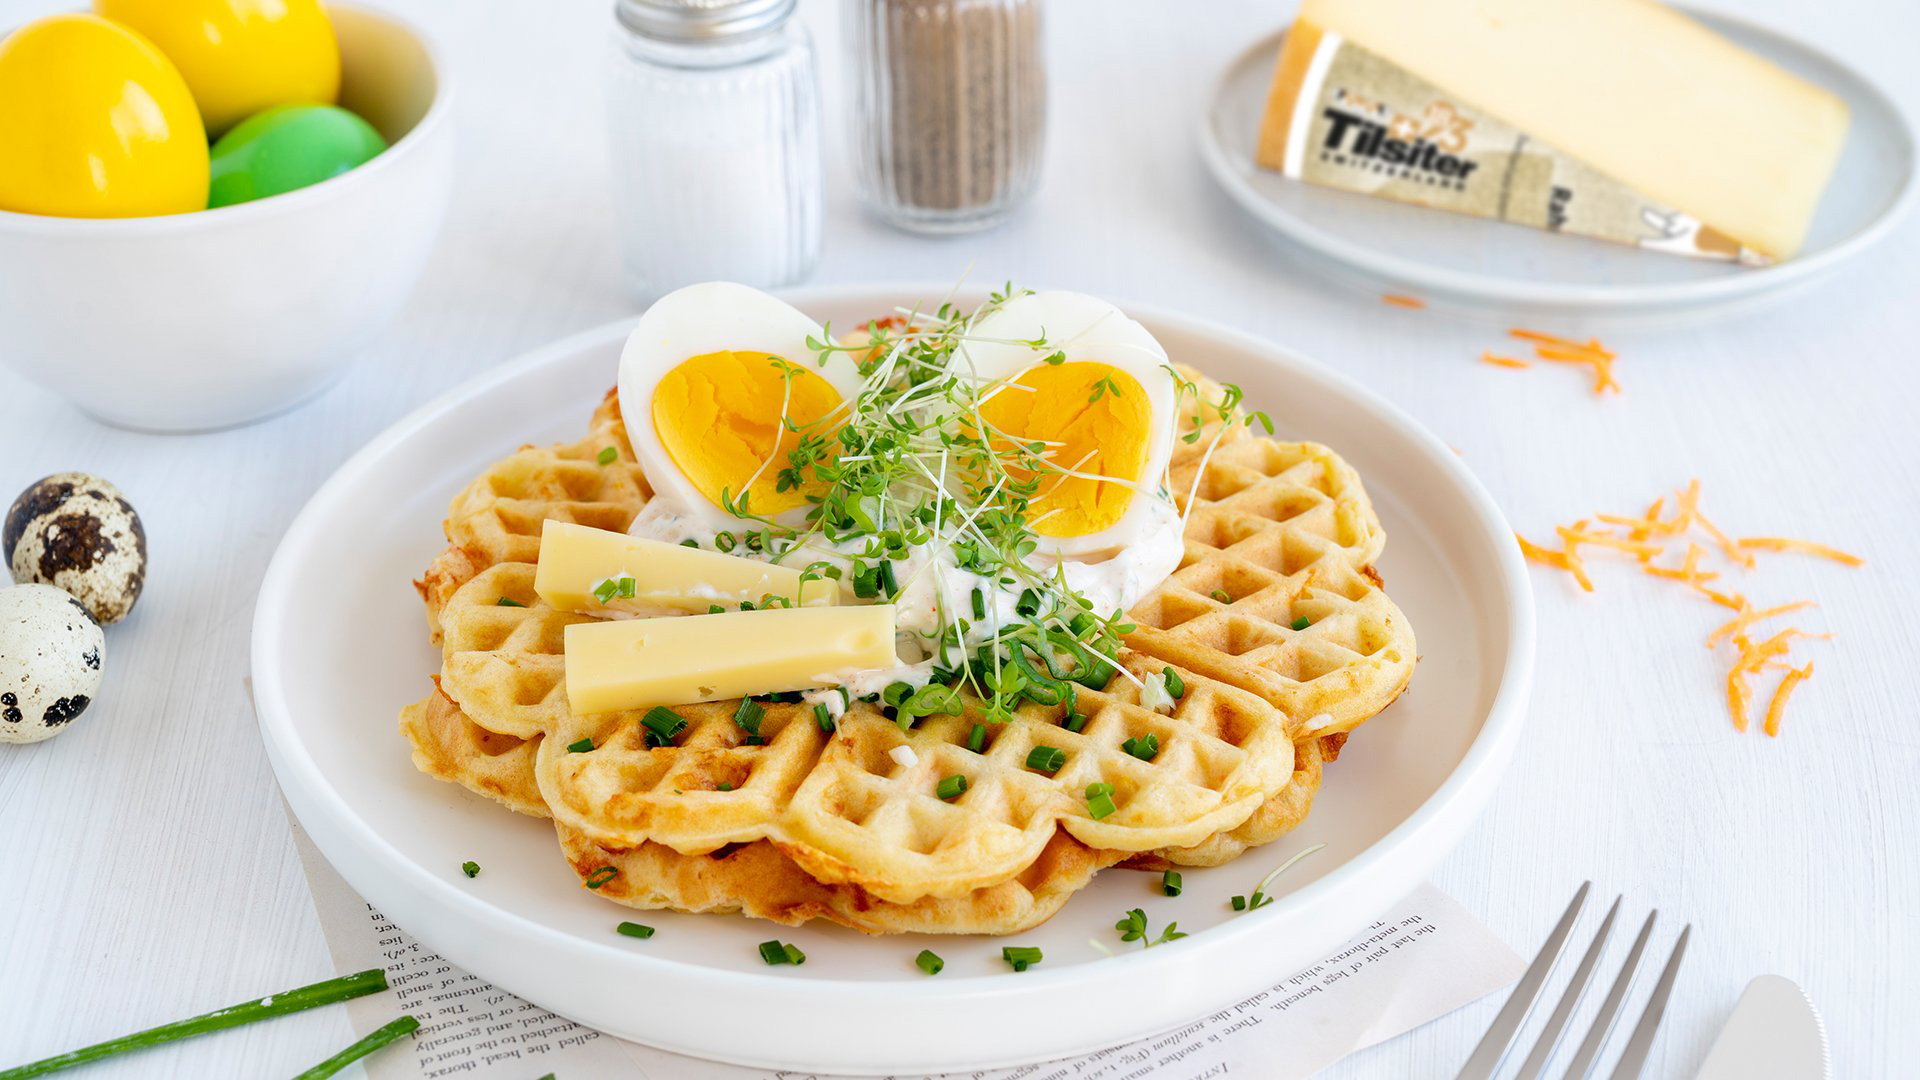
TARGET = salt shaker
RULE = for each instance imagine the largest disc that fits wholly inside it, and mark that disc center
(714, 111)
(950, 105)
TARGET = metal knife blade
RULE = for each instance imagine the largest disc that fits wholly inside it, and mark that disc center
(1774, 1032)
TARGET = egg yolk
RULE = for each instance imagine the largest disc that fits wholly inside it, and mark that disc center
(1097, 421)
(719, 417)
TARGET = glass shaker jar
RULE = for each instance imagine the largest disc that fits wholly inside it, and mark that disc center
(714, 114)
(950, 108)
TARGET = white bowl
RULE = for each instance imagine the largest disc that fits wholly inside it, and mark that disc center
(221, 317)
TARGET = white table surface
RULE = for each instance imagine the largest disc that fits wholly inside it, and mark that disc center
(145, 867)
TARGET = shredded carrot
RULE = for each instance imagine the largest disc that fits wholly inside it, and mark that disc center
(1653, 534)
(1748, 617)
(1562, 560)
(1804, 547)
(1401, 301)
(1562, 351)
(1503, 361)
(1538, 338)
(1579, 535)
(1778, 704)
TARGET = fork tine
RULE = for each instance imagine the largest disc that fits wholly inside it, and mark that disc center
(1589, 1052)
(1536, 1063)
(1513, 1015)
(1634, 1057)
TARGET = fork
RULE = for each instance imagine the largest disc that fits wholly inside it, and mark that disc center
(1527, 993)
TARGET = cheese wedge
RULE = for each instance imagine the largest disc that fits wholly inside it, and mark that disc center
(578, 562)
(1613, 118)
(633, 663)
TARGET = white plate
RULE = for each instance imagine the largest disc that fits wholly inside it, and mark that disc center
(1455, 260)
(339, 645)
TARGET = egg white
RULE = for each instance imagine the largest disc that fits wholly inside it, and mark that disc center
(1088, 330)
(693, 321)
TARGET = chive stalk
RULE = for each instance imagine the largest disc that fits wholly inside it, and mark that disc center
(393, 1031)
(344, 988)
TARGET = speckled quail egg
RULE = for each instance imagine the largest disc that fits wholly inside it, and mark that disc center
(75, 531)
(50, 650)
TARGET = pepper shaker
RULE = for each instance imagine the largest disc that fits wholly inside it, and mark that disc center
(950, 102)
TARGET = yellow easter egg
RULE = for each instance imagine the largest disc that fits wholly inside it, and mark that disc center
(95, 123)
(240, 56)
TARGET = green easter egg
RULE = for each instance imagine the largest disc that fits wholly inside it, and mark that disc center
(287, 148)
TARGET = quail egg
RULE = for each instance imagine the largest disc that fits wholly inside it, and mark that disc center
(75, 531)
(50, 650)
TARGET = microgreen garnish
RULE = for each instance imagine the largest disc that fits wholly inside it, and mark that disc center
(951, 787)
(1020, 957)
(470, 868)
(634, 929)
(1259, 898)
(508, 601)
(580, 747)
(1133, 927)
(929, 962)
(663, 725)
(608, 456)
(1170, 883)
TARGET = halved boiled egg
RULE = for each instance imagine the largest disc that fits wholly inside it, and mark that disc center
(718, 386)
(1095, 393)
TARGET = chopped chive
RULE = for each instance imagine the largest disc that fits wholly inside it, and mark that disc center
(753, 740)
(773, 952)
(664, 722)
(715, 609)
(823, 716)
(1100, 806)
(979, 612)
(601, 876)
(608, 456)
(1028, 605)
(951, 787)
(690, 542)
(977, 738)
(1221, 595)
(634, 929)
(1047, 759)
(508, 601)
(605, 591)
(328, 992)
(627, 586)
(1239, 903)
(1099, 789)
(749, 715)
(724, 786)
(580, 747)
(1176, 686)
(1302, 623)
(1076, 721)
(1145, 747)
(724, 541)
(391, 1031)
(1021, 957)
(746, 605)
(888, 585)
(470, 868)
(1170, 883)
(929, 962)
